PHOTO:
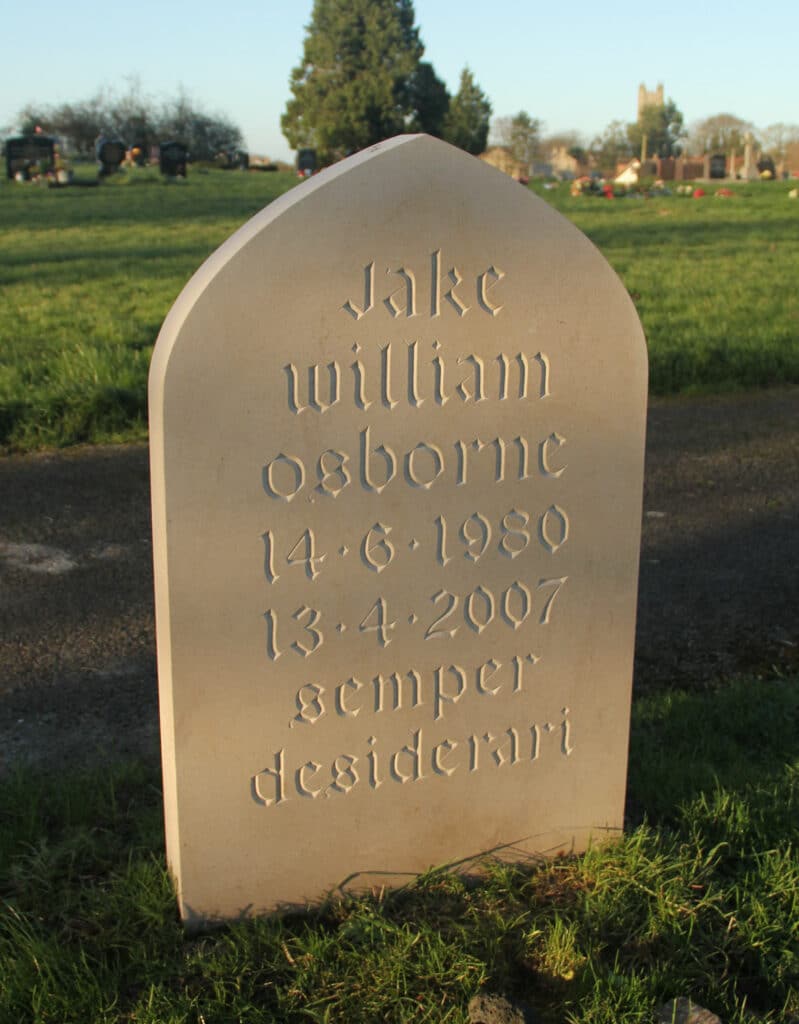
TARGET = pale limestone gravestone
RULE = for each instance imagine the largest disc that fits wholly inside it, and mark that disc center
(749, 172)
(397, 435)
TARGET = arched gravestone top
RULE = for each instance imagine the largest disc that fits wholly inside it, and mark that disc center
(397, 433)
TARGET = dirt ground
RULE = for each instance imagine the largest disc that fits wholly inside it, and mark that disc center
(719, 584)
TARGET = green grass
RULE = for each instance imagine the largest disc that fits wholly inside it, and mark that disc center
(713, 279)
(87, 275)
(700, 898)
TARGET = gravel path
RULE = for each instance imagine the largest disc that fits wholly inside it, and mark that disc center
(719, 585)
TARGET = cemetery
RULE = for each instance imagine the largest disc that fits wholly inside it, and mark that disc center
(473, 546)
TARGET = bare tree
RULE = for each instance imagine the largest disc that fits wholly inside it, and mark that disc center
(777, 138)
(719, 134)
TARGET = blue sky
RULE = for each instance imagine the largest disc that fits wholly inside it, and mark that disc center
(575, 65)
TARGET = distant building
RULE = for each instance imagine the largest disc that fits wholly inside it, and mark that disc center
(647, 98)
(502, 158)
(790, 165)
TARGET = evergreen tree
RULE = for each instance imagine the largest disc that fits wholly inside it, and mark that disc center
(353, 87)
(663, 127)
(430, 101)
(467, 122)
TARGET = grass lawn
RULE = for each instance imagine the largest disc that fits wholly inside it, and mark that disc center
(88, 274)
(700, 899)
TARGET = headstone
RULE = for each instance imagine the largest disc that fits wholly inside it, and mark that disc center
(110, 154)
(172, 159)
(397, 435)
(749, 170)
(306, 162)
(30, 156)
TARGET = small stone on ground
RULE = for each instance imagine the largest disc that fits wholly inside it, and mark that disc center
(683, 1011)
(488, 1009)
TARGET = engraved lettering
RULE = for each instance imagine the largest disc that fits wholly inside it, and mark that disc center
(435, 290)
(397, 691)
(351, 684)
(374, 780)
(543, 456)
(518, 670)
(295, 467)
(386, 454)
(385, 377)
(269, 566)
(557, 584)
(413, 376)
(535, 742)
(438, 386)
(412, 754)
(376, 621)
(482, 288)
(356, 312)
(478, 394)
(316, 636)
(344, 774)
(512, 758)
(440, 694)
(553, 528)
(314, 399)
(310, 707)
(474, 541)
(435, 470)
(515, 536)
(461, 449)
(272, 650)
(410, 294)
(448, 746)
(300, 782)
(359, 374)
(304, 553)
(525, 599)
(336, 474)
(407, 764)
(523, 363)
(543, 362)
(565, 744)
(276, 774)
(524, 450)
(432, 632)
(478, 611)
(499, 444)
(441, 541)
(379, 543)
(482, 678)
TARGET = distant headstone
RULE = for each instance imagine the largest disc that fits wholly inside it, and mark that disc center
(718, 166)
(397, 435)
(306, 162)
(172, 159)
(766, 168)
(110, 154)
(749, 171)
(30, 156)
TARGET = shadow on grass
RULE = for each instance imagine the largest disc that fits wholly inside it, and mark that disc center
(79, 265)
(682, 237)
(740, 737)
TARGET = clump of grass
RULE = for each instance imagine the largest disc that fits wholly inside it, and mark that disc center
(700, 899)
